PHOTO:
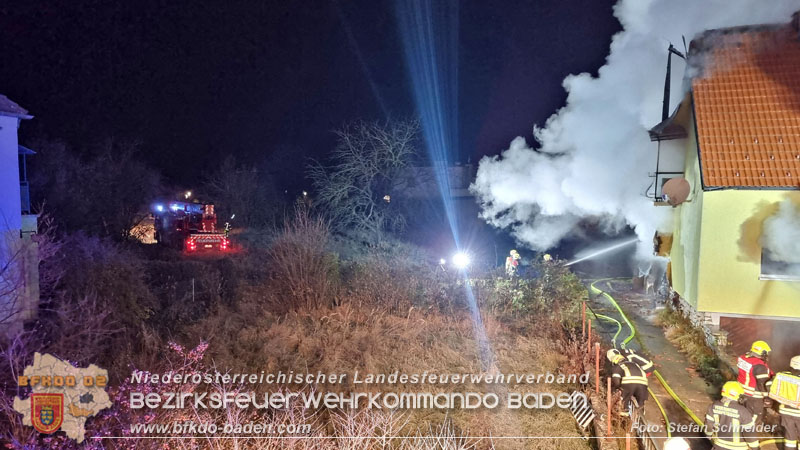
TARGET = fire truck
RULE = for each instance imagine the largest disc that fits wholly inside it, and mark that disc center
(189, 226)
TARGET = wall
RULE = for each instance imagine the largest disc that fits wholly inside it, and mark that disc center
(730, 256)
(685, 250)
(10, 207)
(18, 258)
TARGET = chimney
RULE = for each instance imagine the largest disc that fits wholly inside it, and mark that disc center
(796, 23)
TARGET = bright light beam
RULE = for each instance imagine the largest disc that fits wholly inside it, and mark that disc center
(429, 30)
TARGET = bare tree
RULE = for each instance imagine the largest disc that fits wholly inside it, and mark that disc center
(105, 194)
(244, 191)
(357, 186)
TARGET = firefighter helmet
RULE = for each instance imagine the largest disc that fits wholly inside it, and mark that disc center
(515, 254)
(794, 363)
(547, 257)
(615, 356)
(732, 389)
(760, 348)
(676, 443)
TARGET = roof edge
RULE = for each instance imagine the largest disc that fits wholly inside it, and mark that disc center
(18, 116)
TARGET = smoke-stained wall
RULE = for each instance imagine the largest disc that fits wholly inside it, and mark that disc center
(729, 279)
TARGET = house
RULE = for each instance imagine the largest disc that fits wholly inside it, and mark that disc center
(728, 161)
(19, 289)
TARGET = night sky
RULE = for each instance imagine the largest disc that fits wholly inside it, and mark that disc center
(266, 81)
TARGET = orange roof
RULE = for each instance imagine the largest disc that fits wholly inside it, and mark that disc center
(747, 105)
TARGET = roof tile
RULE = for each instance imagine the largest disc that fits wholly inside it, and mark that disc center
(747, 105)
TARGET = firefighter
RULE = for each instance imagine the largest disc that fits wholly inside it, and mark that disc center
(729, 424)
(512, 263)
(636, 358)
(676, 443)
(630, 378)
(754, 376)
(785, 390)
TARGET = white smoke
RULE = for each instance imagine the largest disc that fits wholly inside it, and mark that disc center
(595, 154)
(781, 235)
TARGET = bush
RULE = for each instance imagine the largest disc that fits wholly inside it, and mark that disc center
(302, 272)
(550, 290)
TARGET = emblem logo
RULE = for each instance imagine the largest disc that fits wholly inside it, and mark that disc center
(47, 412)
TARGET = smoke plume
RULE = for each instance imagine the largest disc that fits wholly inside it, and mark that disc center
(781, 236)
(594, 155)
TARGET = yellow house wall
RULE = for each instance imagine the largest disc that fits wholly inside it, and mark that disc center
(730, 256)
(685, 251)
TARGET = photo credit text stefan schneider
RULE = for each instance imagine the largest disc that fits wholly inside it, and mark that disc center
(323, 390)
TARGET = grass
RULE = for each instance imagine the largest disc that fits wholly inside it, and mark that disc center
(347, 337)
(298, 306)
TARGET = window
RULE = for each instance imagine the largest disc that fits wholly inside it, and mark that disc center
(778, 270)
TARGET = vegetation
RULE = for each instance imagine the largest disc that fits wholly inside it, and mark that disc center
(239, 193)
(330, 289)
(103, 191)
(293, 304)
(357, 187)
(692, 342)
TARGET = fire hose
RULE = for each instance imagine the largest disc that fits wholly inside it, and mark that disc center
(652, 395)
(595, 290)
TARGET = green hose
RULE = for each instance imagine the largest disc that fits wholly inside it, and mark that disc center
(663, 413)
(609, 319)
(595, 290)
(677, 399)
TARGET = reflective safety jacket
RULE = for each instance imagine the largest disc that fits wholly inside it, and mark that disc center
(730, 425)
(754, 375)
(626, 373)
(785, 389)
(640, 361)
(789, 411)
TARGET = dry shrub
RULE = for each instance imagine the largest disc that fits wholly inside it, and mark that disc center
(303, 274)
(14, 356)
(396, 286)
(67, 332)
(349, 337)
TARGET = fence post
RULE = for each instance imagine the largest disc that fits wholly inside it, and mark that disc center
(628, 441)
(583, 319)
(597, 367)
(608, 410)
(589, 339)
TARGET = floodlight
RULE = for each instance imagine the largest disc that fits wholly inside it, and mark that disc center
(461, 260)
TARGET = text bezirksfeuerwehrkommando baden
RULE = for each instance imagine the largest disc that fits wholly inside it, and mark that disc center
(224, 398)
(356, 378)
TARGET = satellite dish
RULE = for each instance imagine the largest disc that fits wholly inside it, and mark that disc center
(676, 191)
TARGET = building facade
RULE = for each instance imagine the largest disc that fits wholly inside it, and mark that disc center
(19, 287)
(734, 144)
